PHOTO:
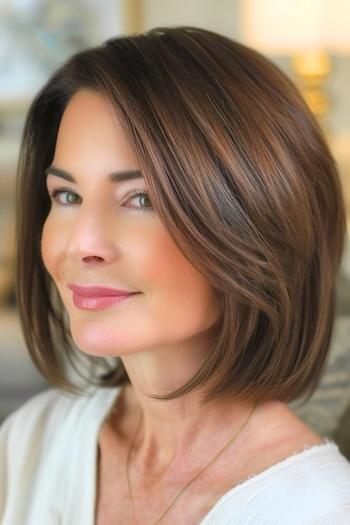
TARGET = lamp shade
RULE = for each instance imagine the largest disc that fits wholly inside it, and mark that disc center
(290, 26)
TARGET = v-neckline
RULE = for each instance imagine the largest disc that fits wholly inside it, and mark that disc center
(112, 396)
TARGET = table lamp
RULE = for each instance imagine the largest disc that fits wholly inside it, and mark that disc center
(308, 30)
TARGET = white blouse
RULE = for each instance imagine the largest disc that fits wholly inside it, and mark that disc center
(48, 459)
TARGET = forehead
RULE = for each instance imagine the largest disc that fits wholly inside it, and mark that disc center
(90, 130)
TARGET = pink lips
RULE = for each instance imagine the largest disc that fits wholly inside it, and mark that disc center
(97, 297)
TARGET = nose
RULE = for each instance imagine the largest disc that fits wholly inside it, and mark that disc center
(89, 240)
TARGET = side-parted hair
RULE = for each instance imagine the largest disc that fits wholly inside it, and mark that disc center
(241, 176)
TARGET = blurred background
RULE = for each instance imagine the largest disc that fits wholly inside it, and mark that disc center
(308, 39)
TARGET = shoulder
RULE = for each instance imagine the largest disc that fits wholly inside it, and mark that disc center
(34, 430)
(42, 445)
(36, 414)
(310, 487)
(48, 423)
(314, 474)
(44, 415)
(25, 436)
(295, 477)
(316, 485)
(319, 471)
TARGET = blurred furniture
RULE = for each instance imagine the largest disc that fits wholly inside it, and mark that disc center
(19, 380)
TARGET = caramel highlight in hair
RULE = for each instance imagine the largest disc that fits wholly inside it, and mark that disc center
(241, 176)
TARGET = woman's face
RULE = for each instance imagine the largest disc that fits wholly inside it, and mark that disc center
(98, 234)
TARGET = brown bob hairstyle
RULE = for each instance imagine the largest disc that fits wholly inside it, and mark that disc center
(241, 176)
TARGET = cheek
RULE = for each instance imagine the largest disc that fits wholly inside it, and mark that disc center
(51, 247)
(181, 292)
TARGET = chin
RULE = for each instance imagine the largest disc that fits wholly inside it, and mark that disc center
(101, 337)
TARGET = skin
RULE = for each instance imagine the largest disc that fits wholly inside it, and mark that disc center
(99, 236)
(96, 235)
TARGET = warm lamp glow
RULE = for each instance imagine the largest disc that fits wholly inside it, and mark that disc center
(291, 26)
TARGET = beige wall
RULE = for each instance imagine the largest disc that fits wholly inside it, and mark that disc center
(217, 15)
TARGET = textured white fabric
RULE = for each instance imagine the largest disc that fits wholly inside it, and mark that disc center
(48, 451)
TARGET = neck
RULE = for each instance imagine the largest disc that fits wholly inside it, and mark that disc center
(179, 432)
(182, 428)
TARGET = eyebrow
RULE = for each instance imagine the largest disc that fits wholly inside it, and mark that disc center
(117, 176)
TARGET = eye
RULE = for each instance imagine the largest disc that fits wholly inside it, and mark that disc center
(64, 196)
(137, 194)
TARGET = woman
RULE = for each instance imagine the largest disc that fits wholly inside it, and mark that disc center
(181, 225)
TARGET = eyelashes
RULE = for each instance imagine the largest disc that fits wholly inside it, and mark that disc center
(67, 197)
